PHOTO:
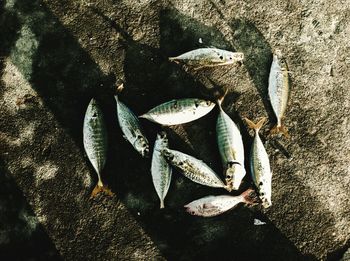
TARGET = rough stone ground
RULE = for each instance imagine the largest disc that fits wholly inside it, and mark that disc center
(56, 55)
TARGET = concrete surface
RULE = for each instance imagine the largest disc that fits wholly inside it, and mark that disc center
(56, 55)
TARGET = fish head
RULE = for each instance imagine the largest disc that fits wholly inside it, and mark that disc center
(203, 103)
(237, 172)
(168, 155)
(279, 60)
(228, 57)
(142, 146)
(162, 137)
(93, 111)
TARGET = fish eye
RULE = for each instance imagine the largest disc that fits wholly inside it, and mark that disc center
(230, 57)
(208, 102)
(221, 57)
(144, 145)
(139, 136)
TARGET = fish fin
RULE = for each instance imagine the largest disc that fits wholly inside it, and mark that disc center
(101, 188)
(256, 126)
(280, 129)
(250, 197)
(221, 99)
(162, 203)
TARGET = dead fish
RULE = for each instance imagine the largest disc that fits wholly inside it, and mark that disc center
(208, 57)
(131, 127)
(95, 142)
(260, 165)
(211, 206)
(279, 90)
(179, 111)
(231, 149)
(161, 170)
(192, 168)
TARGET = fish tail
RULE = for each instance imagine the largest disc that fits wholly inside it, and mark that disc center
(145, 116)
(256, 126)
(100, 188)
(120, 88)
(221, 99)
(174, 59)
(162, 203)
(280, 129)
(250, 197)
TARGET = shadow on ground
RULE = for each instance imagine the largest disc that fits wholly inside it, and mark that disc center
(66, 78)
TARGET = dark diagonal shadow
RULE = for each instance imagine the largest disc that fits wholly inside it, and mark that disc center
(22, 236)
(66, 78)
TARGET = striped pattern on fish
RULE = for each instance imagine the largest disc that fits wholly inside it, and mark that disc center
(279, 90)
(131, 128)
(160, 169)
(194, 169)
(208, 57)
(179, 111)
(231, 149)
(260, 165)
(95, 142)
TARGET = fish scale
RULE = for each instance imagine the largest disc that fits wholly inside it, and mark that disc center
(231, 149)
(160, 168)
(260, 165)
(131, 128)
(95, 142)
(278, 90)
(179, 111)
(194, 169)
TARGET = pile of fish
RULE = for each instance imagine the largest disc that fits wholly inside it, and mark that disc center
(181, 111)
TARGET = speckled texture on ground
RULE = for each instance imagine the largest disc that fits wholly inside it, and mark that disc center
(56, 55)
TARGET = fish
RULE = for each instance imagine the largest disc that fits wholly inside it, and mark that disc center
(231, 149)
(260, 165)
(131, 128)
(208, 57)
(180, 111)
(192, 168)
(211, 206)
(279, 90)
(160, 169)
(95, 143)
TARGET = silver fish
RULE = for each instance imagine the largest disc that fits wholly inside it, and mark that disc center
(161, 170)
(95, 142)
(131, 128)
(211, 206)
(192, 168)
(260, 165)
(279, 90)
(231, 149)
(179, 111)
(208, 57)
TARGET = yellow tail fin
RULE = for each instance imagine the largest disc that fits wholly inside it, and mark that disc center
(255, 126)
(280, 129)
(120, 88)
(101, 188)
